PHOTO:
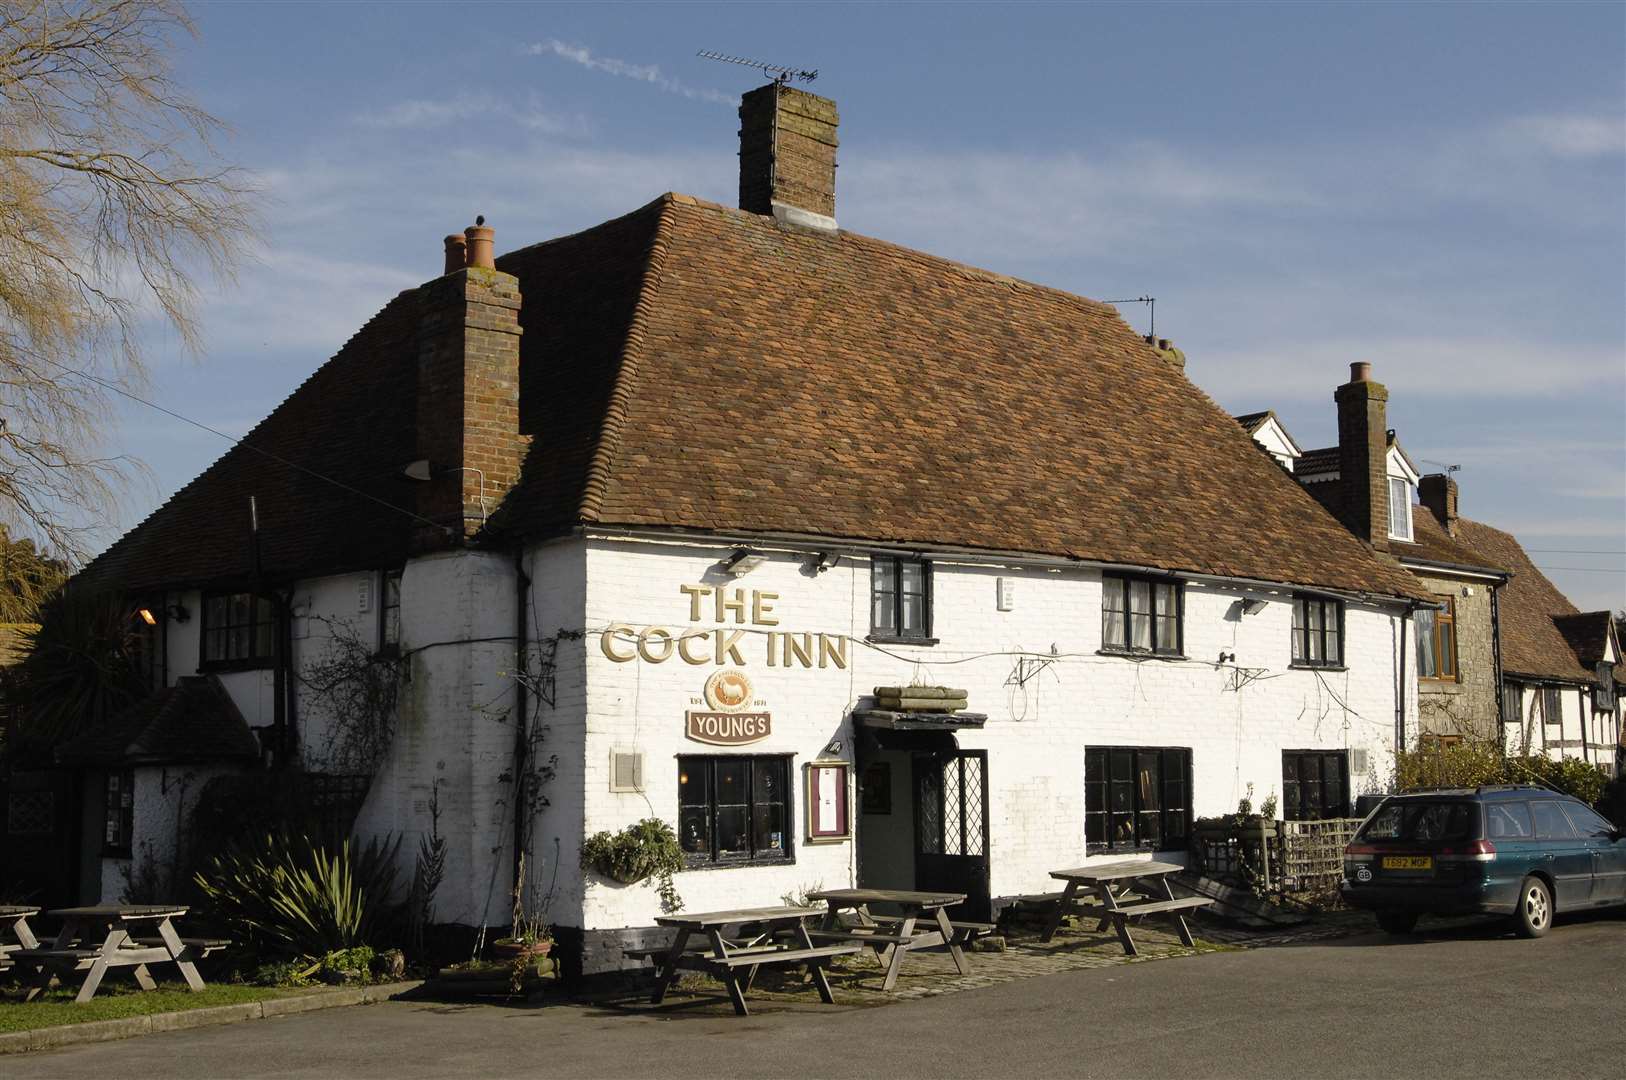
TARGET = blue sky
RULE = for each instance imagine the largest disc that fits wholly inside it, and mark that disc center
(1440, 190)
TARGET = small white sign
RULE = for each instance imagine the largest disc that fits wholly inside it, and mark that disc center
(1007, 594)
(364, 595)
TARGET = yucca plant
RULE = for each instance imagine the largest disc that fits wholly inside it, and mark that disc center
(301, 897)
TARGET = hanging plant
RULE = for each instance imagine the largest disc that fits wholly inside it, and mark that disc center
(646, 850)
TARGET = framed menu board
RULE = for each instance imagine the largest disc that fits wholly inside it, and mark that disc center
(826, 793)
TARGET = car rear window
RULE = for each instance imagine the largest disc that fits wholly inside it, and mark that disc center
(1422, 822)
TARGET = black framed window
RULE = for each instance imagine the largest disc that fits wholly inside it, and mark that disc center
(119, 814)
(1315, 784)
(389, 613)
(1437, 642)
(1603, 694)
(238, 629)
(900, 598)
(1318, 632)
(734, 808)
(1512, 702)
(1137, 798)
(1141, 615)
(1552, 705)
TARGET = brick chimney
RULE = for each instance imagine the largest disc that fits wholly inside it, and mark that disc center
(1438, 492)
(468, 391)
(1363, 449)
(788, 155)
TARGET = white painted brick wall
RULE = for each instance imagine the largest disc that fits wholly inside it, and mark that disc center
(1036, 735)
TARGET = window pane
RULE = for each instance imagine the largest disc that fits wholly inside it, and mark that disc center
(1551, 824)
(1447, 658)
(768, 829)
(1140, 597)
(1168, 634)
(1334, 651)
(1427, 668)
(913, 611)
(730, 781)
(694, 830)
(691, 783)
(1112, 614)
(1140, 631)
(731, 830)
(1399, 508)
(911, 577)
(1165, 600)
(883, 594)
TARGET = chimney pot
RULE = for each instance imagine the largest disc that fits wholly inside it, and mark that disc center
(456, 253)
(1360, 371)
(482, 242)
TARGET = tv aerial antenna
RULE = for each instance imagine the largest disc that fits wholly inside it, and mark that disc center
(1151, 305)
(777, 72)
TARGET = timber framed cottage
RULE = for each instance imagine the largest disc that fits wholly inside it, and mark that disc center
(664, 502)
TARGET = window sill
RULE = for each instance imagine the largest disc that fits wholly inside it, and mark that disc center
(1132, 654)
(1438, 682)
(257, 664)
(1300, 666)
(699, 863)
(879, 639)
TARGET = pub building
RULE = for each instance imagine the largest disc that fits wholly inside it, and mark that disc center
(661, 505)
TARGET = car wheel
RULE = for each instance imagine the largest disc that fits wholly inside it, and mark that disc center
(1535, 915)
(1397, 922)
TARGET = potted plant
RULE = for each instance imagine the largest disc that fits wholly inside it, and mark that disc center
(648, 849)
(531, 938)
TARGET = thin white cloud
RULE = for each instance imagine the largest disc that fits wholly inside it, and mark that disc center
(1569, 135)
(609, 65)
(424, 114)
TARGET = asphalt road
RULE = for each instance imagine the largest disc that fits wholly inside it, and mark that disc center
(1470, 1003)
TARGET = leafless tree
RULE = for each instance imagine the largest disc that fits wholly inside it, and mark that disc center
(114, 203)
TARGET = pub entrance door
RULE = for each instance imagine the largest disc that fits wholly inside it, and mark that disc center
(951, 827)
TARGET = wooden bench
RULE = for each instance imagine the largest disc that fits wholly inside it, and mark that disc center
(196, 948)
(775, 957)
(1151, 907)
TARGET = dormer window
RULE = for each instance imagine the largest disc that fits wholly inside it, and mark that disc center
(1399, 508)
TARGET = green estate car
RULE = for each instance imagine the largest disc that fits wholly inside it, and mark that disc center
(1521, 851)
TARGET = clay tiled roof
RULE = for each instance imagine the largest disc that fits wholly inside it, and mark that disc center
(351, 421)
(1587, 634)
(695, 366)
(780, 380)
(194, 720)
(1528, 606)
(1431, 544)
(1322, 460)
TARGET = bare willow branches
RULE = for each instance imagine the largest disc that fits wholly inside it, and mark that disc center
(114, 203)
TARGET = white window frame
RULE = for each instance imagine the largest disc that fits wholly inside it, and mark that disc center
(1398, 470)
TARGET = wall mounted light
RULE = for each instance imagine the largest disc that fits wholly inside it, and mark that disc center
(147, 616)
(820, 561)
(742, 562)
(1253, 606)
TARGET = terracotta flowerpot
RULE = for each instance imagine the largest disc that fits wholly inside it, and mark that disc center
(508, 950)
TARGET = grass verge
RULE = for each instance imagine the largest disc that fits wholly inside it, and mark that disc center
(57, 1007)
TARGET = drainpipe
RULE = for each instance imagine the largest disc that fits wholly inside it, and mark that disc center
(1496, 669)
(522, 727)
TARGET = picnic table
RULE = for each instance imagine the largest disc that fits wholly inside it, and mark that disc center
(96, 939)
(767, 937)
(1110, 884)
(14, 932)
(891, 936)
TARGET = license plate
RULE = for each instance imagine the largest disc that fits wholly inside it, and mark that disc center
(1408, 862)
